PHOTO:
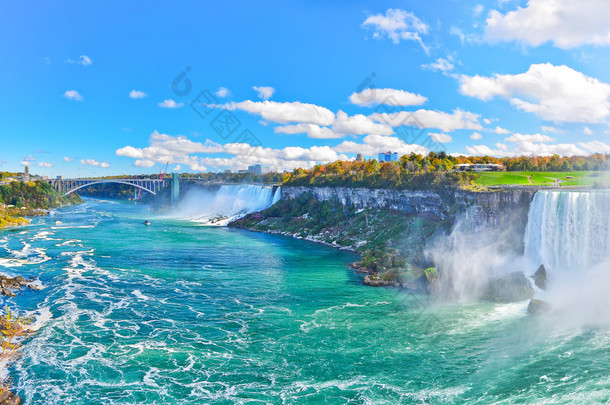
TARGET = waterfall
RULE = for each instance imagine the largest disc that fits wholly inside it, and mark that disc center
(229, 202)
(568, 230)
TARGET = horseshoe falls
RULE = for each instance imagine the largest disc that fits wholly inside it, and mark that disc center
(569, 230)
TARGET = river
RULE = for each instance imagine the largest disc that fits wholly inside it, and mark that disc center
(182, 313)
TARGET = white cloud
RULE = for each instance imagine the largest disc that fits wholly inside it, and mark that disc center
(223, 92)
(373, 144)
(93, 162)
(595, 147)
(565, 23)
(444, 65)
(180, 150)
(264, 92)
(67, 159)
(440, 138)
(446, 122)
(546, 128)
(484, 150)
(478, 9)
(534, 138)
(501, 131)
(359, 125)
(555, 93)
(538, 145)
(285, 113)
(170, 104)
(82, 60)
(73, 95)
(476, 136)
(45, 164)
(397, 25)
(177, 168)
(392, 97)
(587, 131)
(85, 60)
(343, 125)
(137, 94)
(312, 131)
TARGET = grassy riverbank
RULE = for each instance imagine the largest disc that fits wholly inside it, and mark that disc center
(573, 178)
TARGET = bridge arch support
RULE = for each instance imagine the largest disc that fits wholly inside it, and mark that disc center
(68, 186)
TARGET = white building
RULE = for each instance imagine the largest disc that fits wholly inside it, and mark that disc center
(478, 167)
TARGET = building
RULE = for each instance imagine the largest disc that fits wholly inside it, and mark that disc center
(388, 156)
(359, 157)
(26, 174)
(479, 167)
(60, 177)
(258, 169)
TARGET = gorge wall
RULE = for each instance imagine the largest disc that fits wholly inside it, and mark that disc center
(495, 208)
(396, 232)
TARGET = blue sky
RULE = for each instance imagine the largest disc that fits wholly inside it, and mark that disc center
(87, 87)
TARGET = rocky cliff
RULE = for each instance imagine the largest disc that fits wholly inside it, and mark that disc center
(392, 229)
(489, 208)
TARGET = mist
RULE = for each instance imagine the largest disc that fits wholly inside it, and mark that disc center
(567, 231)
(472, 254)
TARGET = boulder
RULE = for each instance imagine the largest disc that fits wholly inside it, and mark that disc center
(538, 307)
(540, 277)
(9, 398)
(511, 288)
(374, 280)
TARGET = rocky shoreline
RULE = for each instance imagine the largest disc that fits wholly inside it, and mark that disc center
(8, 285)
(13, 328)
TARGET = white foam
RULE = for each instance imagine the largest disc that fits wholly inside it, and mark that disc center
(139, 295)
(43, 316)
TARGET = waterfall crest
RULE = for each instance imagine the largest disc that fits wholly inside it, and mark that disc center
(568, 230)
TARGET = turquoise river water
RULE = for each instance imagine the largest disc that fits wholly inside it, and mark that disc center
(179, 313)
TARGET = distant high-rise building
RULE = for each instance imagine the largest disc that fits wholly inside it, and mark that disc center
(255, 169)
(258, 169)
(359, 157)
(388, 156)
(26, 174)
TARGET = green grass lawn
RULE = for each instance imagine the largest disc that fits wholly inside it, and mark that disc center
(539, 178)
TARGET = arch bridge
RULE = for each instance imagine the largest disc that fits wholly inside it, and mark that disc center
(67, 186)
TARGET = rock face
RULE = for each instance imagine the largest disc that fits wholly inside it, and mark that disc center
(482, 208)
(9, 284)
(9, 398)
(374, 280)
(411, 202)
(512, 288)
(538, 307)
(540, 277)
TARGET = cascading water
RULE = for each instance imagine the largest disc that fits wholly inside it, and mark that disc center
(568, 230)
(227, 203)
